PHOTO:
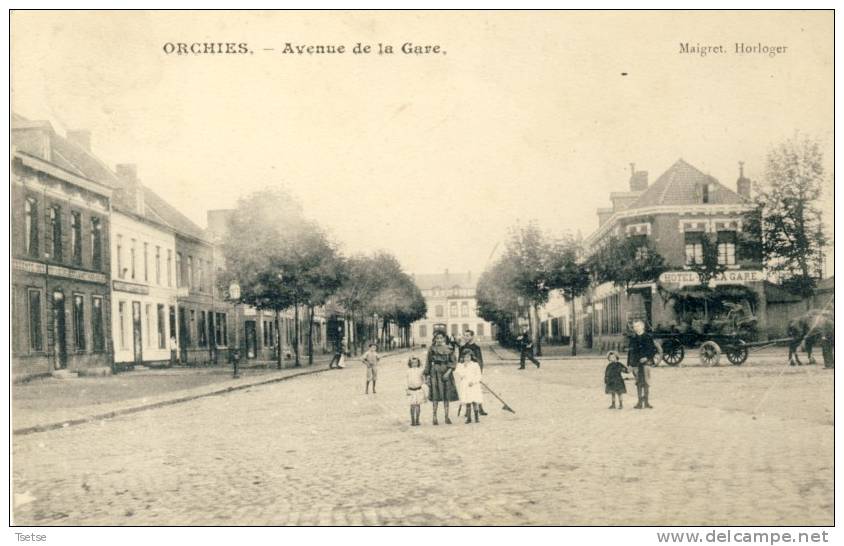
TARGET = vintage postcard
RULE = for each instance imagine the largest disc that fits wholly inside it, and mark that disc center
(406, 268)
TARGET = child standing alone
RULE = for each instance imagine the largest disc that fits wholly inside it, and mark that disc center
(414, 389)
(370, 359)
(613, 381)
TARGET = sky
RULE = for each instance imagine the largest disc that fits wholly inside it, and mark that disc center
(521, 116)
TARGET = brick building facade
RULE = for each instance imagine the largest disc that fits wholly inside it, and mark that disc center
(60, 220)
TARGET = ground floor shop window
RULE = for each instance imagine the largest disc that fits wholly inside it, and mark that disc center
(148, 317)
(36, 341)
(221, 330)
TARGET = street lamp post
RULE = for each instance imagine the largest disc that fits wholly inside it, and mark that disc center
(234, 295)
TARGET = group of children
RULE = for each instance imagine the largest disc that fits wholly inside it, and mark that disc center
(467, 379)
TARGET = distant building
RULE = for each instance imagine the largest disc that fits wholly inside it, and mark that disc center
(60, 223)
(451, 302)
(682, 206)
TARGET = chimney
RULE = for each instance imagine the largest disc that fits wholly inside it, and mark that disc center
(638, 179)
(133, 192)
(743, 184)
(81, 137)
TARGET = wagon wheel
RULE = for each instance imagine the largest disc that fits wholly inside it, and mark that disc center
(673, 352)
(737, 353)
(710, 353)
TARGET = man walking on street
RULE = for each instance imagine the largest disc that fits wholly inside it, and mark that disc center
(525, 343)
(469, 343)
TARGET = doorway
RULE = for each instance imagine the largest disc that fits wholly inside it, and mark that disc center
(137, 334)
(251, 339)
(60, 332)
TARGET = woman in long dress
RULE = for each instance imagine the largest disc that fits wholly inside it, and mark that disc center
(439, 373)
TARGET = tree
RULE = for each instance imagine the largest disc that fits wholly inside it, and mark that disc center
(789, 221)
(625, 262)
(279, 258)
(321, 273)
(533, 264)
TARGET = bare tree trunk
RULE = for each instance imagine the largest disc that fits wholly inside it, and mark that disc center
(311, 335)
(279, 351)
(296, 334)
(573, 333)
(538, 334)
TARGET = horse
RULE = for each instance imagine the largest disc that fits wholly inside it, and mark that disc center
(809, 329)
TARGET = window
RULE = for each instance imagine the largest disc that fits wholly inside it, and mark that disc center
(454, 330)
(452, 309)
(192, 327)
(148, 312)
(162, 327)
(694, 248)
(704, 193)
(439, 311)
(36, 342)
(158, 265)
(76, 237)
(146, 258)
(464, 309)
(202, 332)
(132, 259)
(31, 227)
(96, 243)
(121, 316)
(190, 272)
(79, 321)
(200, 280)
(423, 331)
(169, 267)
(97, 322)
(220, 329)
(727, 247)
(266, 332)
(120, 271)
(56, 229)
(464, 327)
(179, 279)
(479, 329)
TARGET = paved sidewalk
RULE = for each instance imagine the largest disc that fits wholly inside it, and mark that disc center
(28, 416)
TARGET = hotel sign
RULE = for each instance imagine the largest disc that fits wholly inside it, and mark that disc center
(58, 271)
(738, 276)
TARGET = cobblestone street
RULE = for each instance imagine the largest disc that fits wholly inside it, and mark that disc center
(726, 445)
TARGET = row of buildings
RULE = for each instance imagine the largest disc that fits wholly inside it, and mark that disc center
(675, 213)
(106, 274)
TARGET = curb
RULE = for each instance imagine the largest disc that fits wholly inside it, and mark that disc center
(153, 405)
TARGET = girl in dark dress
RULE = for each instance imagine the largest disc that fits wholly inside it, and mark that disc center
(439, 373)
(613, 381)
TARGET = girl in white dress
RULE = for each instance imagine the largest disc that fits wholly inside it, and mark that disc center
(467, 377)
(417, 394)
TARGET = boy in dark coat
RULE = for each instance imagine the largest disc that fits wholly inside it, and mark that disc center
(613, 381)
(640, 355)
